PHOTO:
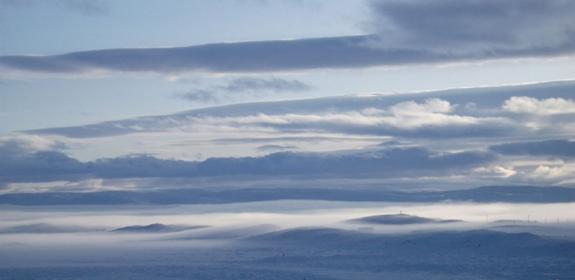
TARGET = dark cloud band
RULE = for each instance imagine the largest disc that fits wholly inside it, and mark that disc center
(264, 56)
(549, 148)
(385, 163)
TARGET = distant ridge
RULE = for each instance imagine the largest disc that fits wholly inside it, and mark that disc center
(474, 242)
(195, 196)
(400, 219)
(154, 228)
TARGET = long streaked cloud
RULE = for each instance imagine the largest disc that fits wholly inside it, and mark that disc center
(403, 32)
(442, 114)
(244, 57)
(431, 118)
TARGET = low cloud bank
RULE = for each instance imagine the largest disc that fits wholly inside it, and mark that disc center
(45, 165)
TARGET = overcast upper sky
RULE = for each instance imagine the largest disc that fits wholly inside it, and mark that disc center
(449, 92)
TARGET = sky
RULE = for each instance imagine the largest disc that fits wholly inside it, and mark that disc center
(129, 95)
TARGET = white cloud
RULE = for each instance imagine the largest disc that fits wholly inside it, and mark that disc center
(554, 172)
(404, 117)
(432, 105)
(530, 105)
(496, 171)
(21, 144)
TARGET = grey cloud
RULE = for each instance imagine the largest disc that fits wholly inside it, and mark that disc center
(517, 194)
(550, 148)
(262, 56)
(17, 146)
(404, 32)
(384, 163)
(201, 96)
(39, 166)
(394, 162)
(336, 52)
(472, 26)
(243, 87)
(261, 84)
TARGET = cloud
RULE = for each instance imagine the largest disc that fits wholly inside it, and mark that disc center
(199, 95)
(256, 57)
(548, 106)
(17, 145)
(472, 26)
(39, 166)
(495, 171)
(432, 105)
(244, 57)
(404, 32)
(549, 148)
(244, 87)
(558, 173)
(262, 84)
(440, 114)
(428, 119)
(393, 162)
(35, 158)
(385, 163)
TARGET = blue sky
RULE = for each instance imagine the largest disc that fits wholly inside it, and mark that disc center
(104, 24)
(61, 26)
(377, 67)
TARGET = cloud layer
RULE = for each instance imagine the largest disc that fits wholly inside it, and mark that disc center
(25, 165)
(403, 32)
(471, 26)
(428, 136)
(550, 148)
(484, 112)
